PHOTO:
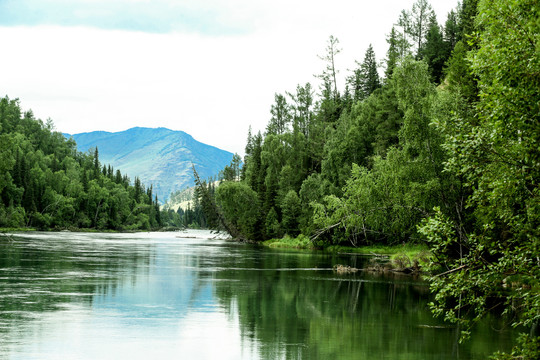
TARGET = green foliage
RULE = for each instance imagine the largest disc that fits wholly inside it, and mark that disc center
(231, 172)
(491, 253)
(46, 183)
(365, 79)
(272, 226)
(240, 206)
(299, 242)
(281, 116)
(385, 201)
(436, 51)
(291, 210)
(451, 30)
(455, 165)
(528, 348)
(393, 53)
(415, 24)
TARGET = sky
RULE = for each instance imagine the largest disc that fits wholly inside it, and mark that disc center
(207, 67)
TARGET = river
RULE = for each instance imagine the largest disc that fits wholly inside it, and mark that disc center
(192, 295)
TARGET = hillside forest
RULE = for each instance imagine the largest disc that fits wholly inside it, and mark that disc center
(45, 183)
(442, 149)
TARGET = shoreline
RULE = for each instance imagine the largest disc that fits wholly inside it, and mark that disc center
(402, 258)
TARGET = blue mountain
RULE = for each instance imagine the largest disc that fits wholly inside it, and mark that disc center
(159, 157)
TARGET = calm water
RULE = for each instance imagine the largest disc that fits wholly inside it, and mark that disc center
(191, 296)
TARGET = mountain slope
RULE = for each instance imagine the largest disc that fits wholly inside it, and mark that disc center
(160, 157)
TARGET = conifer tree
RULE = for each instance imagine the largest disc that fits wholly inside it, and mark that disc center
(451, 30)
(281, 116)
(435, 51)
(365, 78)
(393, 55)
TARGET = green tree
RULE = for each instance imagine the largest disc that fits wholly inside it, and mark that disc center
(404, 25)
(6, 160)
(494, 261)
(281, 116)
(291, 209)
(385, 203)
(272, 226)
(365, 79)
(451, 30)
(393, 53)
(467, 13)
(435, 51)
(302, 109)
(330, 105)
(420, 16)
(240, 205)
(96, 163)
(329, 74)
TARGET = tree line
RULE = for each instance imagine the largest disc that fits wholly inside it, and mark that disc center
(321, 142)
(442, 149)
(45, 183)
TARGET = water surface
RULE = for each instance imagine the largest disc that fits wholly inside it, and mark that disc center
(191, 295)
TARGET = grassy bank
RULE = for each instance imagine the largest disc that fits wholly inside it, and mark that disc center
(300, 242)
(398, 256)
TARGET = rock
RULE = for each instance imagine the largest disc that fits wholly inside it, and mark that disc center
(343, 269)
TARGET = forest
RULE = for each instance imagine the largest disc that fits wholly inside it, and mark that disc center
(442, 149)
(45, 183)
(437, 145)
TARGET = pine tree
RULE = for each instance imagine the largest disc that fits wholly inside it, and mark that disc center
(302, 108)
(451, 30)
(435, 51)
(392, 56)
(281, 116)
(365, 79)
(96, 163)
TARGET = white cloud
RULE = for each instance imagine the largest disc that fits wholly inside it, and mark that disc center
(213, 87)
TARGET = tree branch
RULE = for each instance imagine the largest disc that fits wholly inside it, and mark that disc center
(451, 271)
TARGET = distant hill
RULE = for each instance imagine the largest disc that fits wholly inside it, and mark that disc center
(160, 157)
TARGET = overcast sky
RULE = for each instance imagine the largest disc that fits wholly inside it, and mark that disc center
(207, 67)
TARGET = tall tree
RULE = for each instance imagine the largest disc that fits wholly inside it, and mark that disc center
(214, 213)
(468, 11)
(404, 24)
(365, 79)
(495, 263)
(329, 74)
(302, 108)
(96, 163)
(281, 116)
(420, 15)
(451, 30)
(393, 53)
(330, 104)
(435, 51)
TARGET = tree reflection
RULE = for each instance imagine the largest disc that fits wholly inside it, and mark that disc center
(317, 314)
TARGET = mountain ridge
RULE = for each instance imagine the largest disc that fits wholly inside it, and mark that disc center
(160, 157)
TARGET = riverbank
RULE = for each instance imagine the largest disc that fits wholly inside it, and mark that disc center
(402, 257)
(91, 230)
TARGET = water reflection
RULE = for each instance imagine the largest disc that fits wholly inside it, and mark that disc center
(164, 295)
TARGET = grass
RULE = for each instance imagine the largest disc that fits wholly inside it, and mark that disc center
(300, 242)
(399, 256)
